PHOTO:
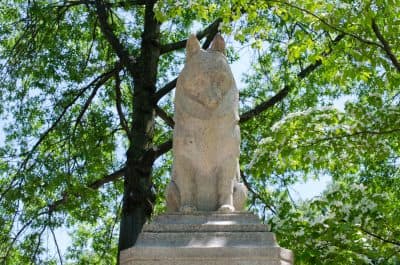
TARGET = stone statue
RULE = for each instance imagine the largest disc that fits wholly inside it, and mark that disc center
(206, 141)
(201, 227)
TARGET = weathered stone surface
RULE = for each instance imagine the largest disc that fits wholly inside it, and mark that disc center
(205, 175)
(207, 256)
(206, 238)
(206, 218)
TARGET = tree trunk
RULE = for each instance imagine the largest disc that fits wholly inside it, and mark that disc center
(138, 195)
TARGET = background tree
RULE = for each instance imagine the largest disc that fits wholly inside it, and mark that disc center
(86, 81)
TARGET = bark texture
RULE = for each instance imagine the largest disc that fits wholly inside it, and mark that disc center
(138, 196)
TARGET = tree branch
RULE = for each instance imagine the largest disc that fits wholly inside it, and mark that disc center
(330, 138)
(397, 243)
(19, 233)
(211, 30)
(162, 149)
(265, 105)
(386, 47)
(341, 31)
(256, 195)
(164, 90)
(57, 247)
(106, 179)
(50, 129)
(39, 241)
(94, 185)
(105, 77)
(122, 53)
(285, 91)
(118, 102)
(163, 115)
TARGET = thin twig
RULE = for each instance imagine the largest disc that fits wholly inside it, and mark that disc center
(118, 102)
(101, 82)
(25, 226)
(329, 25)
(49, 130)
(57, 247)
(256, 194)
(330, 138)
(38, 243)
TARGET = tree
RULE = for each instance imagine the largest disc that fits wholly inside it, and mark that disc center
(86, 80)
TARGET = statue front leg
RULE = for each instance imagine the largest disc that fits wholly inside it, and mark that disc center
(185, 180)
(226, 180)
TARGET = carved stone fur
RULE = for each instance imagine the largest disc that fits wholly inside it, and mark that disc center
(206, 138)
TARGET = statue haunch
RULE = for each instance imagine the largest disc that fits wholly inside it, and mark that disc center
(206, 137)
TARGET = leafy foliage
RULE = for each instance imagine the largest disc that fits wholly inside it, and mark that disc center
(321, 99)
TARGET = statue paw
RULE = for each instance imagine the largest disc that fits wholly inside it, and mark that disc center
(226, 208)
(187, 209)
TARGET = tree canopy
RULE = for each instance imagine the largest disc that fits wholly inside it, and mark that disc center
(87, 89)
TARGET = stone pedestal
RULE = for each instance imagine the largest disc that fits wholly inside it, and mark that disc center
(206, 238)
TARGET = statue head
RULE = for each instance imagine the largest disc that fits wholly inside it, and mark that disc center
(206, 77)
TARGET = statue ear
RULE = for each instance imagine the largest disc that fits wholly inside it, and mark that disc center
(218, 44)
(192, 46)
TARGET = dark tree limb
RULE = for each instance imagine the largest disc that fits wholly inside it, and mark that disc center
(386, 47)
(107, 179)
(278, 97)
(118, 102)
(164, 90)
(88, 102)
(126, 59)
(162, 149)
(265, 105)
(94, 185)
(164, 116)
(381, 238)
(211, 30)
